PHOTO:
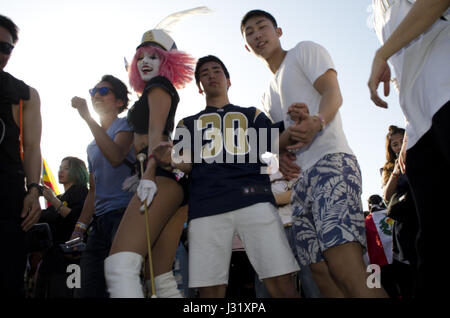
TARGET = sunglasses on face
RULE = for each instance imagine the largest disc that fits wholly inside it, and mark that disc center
(103, 91)
(6, 48)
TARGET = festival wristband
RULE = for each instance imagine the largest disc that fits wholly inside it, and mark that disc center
(81, 225)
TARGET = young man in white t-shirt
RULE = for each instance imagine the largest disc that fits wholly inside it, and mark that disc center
(416, 40)
(328, 215)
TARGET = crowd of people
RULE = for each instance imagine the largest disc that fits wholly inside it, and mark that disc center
(166, 210)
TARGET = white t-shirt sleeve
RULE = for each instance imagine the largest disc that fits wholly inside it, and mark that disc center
(314, 60)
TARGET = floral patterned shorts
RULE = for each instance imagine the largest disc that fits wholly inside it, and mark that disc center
(327, 207)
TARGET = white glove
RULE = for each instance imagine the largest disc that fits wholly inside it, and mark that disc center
(272, 163)
(146, 190)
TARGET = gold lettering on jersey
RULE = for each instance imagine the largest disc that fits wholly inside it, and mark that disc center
(213, 124)
(236, 124)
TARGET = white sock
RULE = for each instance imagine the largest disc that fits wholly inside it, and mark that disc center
(166, 286)
(122, 275)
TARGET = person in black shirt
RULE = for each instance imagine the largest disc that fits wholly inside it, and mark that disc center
(406, 223)
(61, 216)
(20, 165)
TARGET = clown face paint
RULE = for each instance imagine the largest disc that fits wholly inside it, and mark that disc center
(148, 65)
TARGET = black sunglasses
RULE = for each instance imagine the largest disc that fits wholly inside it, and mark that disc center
(103, 91)
(6, 48)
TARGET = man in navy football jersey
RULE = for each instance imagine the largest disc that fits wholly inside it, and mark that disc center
(228, 190)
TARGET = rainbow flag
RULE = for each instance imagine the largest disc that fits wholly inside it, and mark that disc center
(48, 179)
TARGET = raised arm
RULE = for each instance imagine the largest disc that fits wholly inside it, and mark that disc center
(421, 17)
(32, 161)
(115, 150)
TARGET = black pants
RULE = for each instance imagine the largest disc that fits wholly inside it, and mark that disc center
(397, 279)
(52, 276)
(12, 240)
(99, 242)
(428, 171)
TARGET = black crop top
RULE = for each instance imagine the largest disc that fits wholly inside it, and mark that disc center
(138, 114)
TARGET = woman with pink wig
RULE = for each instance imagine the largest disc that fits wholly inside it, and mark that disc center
(156, 71)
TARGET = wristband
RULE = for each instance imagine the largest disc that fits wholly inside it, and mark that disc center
(81, 225)
(322, 121)
(35, 185)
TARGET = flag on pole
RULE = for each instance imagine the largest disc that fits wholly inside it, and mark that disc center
(48, 179)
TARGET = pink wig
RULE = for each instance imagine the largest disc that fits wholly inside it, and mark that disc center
(176, 66)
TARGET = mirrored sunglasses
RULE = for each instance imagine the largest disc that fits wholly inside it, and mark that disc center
(103, 91)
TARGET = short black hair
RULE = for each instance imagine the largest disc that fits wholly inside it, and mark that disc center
(377, 200)
(10, 26)
(119, 89)
(206, 59)
(257, 13)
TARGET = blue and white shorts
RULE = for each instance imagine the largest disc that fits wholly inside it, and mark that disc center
(327, 207)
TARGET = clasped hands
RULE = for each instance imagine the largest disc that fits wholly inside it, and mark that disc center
(301, 133)
(305, 127)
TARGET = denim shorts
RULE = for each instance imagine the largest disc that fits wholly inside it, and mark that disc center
(327, 207)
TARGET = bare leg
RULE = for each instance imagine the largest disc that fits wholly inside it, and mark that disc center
(163, 207)
(218, 291)
(165, 247)
(281, 286)
(323, 279)
(346, 265)
(129, 248)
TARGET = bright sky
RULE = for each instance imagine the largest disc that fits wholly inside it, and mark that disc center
(66, 46)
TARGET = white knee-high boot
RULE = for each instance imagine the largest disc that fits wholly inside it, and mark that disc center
(122, 274)
(166, 286)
